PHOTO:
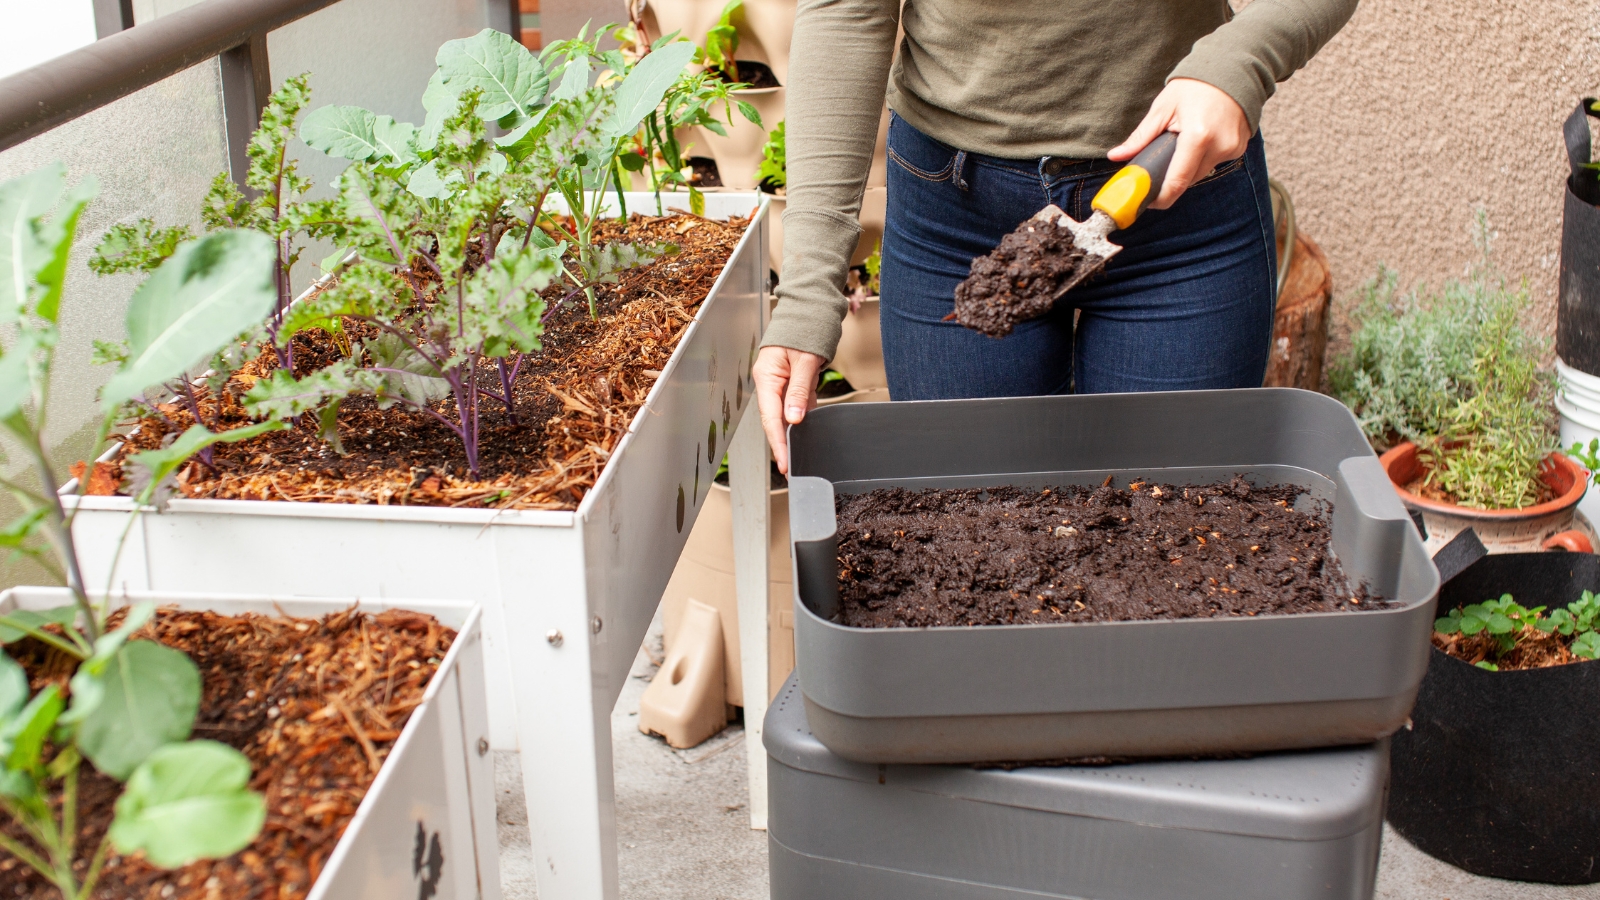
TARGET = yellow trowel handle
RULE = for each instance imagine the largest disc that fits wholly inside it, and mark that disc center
(1129, 191)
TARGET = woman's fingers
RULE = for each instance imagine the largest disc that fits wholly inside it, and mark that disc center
(785, 389)
(1212, 129)
(1155, 121)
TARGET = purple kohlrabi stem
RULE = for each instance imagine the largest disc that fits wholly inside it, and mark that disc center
(194, 408)
(506, 377)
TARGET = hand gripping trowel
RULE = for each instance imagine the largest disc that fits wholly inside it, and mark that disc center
(1035, 265)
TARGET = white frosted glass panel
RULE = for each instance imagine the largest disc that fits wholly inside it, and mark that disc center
(372, 53)
(154, 153)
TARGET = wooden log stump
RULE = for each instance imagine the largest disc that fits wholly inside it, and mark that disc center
(1300, 329)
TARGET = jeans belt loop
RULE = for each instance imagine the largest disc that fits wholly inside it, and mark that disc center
(958, 170)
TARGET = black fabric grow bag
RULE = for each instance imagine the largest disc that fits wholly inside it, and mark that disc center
(1500, 773)
(1578, 312)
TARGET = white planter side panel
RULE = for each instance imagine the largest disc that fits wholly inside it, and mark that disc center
(434, 783)
(639, 516)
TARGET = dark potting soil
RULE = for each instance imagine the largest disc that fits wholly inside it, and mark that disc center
(1019, 280)
(315, 704)
(1004, 556)
(704, 172)
(757, 75)
(574, 400)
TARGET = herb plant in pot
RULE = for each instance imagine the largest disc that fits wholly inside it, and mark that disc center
(1451, 388)
(214, 747)
(1497, 773)
(502, 291)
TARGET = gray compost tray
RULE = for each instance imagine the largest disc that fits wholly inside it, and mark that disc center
(1153, 688)
(1301, 825)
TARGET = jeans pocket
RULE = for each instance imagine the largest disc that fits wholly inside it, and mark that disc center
(917, 153)
(1222, 171)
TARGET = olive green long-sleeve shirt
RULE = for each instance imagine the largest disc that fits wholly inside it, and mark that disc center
(1008, 78)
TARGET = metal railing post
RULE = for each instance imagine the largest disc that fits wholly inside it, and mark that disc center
(246, 85)
(112, 16)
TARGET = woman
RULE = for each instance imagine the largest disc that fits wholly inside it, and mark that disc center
(1001, 107)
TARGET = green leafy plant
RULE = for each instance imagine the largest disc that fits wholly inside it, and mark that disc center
(1455, 372)
(773, 171)
(1503, 619)
(874, 267)
(1509, 623)
(1588, 457)
(131, 704)
(722, 41)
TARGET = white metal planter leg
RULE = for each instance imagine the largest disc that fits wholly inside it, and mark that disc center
(563, 726)
(749, 484)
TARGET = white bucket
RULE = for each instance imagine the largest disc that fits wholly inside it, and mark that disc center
(1578, 401)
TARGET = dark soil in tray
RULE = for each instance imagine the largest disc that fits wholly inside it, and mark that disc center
(1009, 556)
(574, 401)
(316, 705)
(1020, 279)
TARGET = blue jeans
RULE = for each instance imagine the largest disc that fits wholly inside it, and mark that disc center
(1186, 305)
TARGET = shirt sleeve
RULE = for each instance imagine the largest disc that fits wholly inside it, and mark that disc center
(839, 62)
(1268, 41)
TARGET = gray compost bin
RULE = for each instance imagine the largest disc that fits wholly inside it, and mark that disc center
(1303, 825)
(1147, 688)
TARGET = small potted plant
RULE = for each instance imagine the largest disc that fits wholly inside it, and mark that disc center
(1496, 772)
(1450, 388)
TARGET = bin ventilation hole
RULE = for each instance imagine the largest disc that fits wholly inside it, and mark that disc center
(696, 474)
(711, 444)
(727, 414)
(680, 509)
(677, 672)
(738, 393)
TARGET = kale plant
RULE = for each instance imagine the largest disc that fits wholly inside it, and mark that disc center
(132, 704)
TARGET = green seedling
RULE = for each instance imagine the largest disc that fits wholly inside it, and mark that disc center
(774, 168)
(1502, 619)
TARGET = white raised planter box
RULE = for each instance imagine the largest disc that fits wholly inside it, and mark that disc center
(567, 596)
(438, 780)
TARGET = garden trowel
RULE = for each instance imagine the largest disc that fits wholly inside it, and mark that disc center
(1117, 204)
(1052, 253)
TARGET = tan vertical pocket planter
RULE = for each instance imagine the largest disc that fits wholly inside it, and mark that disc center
(704, 575)
(702, 583)
(860, 355)
(769, 26)
(738, 155)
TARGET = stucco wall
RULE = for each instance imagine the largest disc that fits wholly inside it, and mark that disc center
(1421, 111)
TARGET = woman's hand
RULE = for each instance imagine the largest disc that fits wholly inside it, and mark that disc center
(785, 391)
(1211, 127)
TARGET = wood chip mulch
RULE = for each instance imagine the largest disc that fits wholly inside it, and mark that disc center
(1535, 650)
(316, 705)
(574, 401)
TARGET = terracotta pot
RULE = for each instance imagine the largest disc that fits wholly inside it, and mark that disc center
(1556, 524)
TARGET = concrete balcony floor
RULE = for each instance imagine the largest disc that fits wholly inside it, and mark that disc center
(684, 830)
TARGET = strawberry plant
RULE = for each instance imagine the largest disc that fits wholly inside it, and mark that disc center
(1508, 624)
(130, 705)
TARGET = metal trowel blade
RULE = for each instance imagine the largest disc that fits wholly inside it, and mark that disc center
(1090, 236)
